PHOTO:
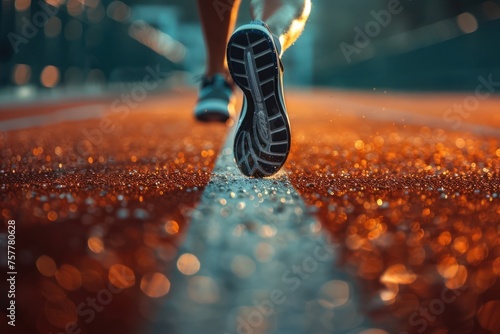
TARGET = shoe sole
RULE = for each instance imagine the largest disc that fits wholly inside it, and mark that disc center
(262, 140)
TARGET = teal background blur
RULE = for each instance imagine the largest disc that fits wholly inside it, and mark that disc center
(91, 45)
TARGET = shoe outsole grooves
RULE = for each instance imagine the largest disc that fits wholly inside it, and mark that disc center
(262, 140)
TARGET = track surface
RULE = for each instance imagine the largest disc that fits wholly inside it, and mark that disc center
(402, 198)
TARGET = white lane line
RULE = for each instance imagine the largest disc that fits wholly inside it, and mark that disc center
(405, 117)
(64, 115)
(265, 264)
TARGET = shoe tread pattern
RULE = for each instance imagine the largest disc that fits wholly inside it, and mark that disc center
(262, 140)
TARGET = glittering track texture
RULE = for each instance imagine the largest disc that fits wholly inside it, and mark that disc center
(409, 200)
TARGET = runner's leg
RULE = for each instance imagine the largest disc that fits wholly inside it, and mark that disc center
(217, 19)
(285, 18)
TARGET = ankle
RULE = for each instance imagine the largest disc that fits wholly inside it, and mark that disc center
(223, 72)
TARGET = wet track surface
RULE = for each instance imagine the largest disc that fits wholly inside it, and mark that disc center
(125, 226)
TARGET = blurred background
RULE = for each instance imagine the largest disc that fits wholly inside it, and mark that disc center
(98, 207)
(54, 48)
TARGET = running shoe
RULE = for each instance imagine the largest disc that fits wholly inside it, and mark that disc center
(215, 100)
(262, 139)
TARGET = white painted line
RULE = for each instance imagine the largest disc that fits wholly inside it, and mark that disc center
(403, 117)
(64, 115)
(265, 264)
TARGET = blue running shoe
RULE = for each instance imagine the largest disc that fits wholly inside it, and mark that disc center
(215, 100)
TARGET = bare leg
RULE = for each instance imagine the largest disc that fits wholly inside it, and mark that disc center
(218, 19)
(285, 18)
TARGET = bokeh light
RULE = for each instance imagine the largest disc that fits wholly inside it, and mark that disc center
(21, 74)
(203, 290)
(188, 264)
(467, 22)
(22, 5)
(55, 3)
(121, 276)
(491, 9)
(68, 277)
(49, 76)
(96, 14)
(74, 7)
(53, 27)
(334, 294)
(96, 76)
(95, 245)
(118, 11)
(243, 266)
(155, 285)
(171, 227)
(46, 266)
